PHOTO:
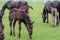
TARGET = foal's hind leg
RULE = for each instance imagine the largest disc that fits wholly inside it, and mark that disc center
(14, 27)
(19, 28)
(11, 27)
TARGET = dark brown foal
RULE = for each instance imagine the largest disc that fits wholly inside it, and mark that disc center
(20, 16)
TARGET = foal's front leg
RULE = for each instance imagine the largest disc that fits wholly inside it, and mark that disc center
(14, 27)
(19, 29)
(10, 27)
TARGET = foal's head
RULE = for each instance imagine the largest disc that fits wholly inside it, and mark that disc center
(30, 27)
(28, 23)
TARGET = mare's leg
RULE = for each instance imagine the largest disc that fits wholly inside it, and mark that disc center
(59, 16)
(14, 27)
(47, 18)
(11, 27)
(57, 19)
(19, 28)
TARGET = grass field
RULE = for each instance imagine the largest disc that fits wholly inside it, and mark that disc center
(41, 31)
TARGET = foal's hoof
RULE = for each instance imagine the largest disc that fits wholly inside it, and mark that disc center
(43, 22)
(14, 35)
(57, 23)
(10, 34)
(54, 26)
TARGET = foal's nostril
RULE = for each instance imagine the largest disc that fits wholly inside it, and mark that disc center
(30, 32)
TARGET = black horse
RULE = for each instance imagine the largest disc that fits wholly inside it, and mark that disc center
(11, 4)
(46, 9)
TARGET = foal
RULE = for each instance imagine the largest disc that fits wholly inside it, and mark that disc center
(55, 17)
(20, 16)
(1, 28)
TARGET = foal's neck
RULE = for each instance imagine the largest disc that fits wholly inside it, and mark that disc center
(0, 23)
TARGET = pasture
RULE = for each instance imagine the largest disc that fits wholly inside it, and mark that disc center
(41, 31)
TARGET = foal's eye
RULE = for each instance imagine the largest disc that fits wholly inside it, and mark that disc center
(28, 23)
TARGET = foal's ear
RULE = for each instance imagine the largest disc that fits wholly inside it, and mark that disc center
(33, 22)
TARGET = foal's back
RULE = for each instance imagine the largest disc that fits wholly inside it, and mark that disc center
(17, 14)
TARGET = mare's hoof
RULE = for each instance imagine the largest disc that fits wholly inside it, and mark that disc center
(47, 22)
(19, 36)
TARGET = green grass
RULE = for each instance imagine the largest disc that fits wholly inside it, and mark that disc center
(41, 31)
